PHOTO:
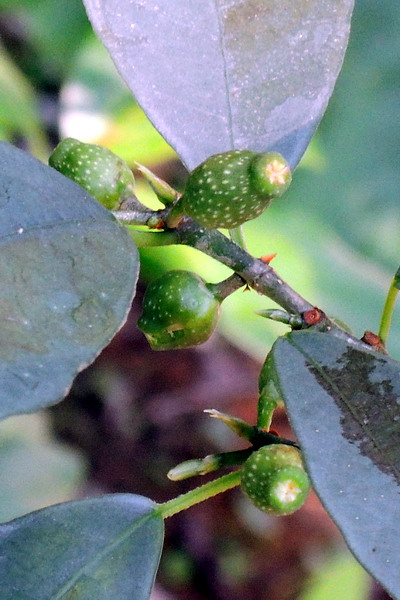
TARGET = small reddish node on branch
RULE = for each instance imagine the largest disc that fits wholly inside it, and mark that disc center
(271, 431)
(373, 340)
(313, 316)
(159, 225)
(267, 258)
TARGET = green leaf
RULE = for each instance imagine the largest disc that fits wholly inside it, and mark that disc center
(216, 76)
(98, 549)
(19, 114)
(67, 277)
(344, 405)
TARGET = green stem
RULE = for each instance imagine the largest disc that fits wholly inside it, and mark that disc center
(237, 236)
(267, 405)
(174, 214)
(199, 494)
(164, 192)
(387, 312)
(208, 464)
(238, 426)
(150, 239)
(254, 272)
(225, 288)
(281, 316)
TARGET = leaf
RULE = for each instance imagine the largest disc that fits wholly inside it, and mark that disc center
(94, 549)
(214, 76)
(67, 276)
(19, 114)
(344, 405)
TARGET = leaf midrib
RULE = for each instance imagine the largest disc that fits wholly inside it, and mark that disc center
(101, 554)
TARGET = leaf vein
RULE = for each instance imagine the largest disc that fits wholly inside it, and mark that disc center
(101, 554)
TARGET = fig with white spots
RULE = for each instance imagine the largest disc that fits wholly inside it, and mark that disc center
(231, 188)
(274, 479)
(179, 310)
(103, 174)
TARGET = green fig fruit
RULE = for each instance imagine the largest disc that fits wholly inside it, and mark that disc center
(231, 188)
(103, 174)
(179, 310)
(274, 479)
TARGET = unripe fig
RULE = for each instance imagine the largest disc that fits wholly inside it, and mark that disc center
(103, 174)
(233, 187)
(179, 310)
(274, 479)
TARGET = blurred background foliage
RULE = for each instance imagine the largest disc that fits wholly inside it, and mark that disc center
(335, 233)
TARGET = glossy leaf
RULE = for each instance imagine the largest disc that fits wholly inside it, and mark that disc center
(67, 277)
(344, 405)
(94, 549)
(216, 76)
